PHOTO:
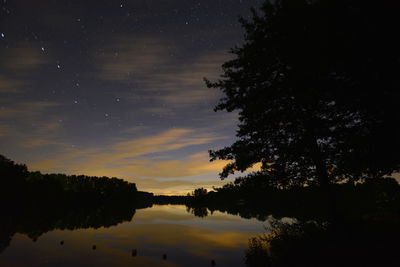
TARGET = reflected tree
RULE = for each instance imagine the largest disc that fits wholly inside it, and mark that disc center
(257, 254)
(198, 211)
(254, 197)
(34, 203)
(314, 244)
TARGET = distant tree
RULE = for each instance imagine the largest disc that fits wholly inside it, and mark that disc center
(316, 86)
(200, 192)
(11, 171)
(12, 175)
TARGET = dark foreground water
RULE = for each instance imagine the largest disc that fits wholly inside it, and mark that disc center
(166, 235)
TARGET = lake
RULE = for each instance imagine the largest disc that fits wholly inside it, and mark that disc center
(162, 235)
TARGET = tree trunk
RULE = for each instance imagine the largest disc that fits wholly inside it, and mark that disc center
(329, 195)
(320, 166)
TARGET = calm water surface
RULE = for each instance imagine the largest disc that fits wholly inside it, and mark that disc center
(170, 230)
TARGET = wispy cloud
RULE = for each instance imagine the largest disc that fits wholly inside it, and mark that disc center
(5, 130)
(182, 85)
(159, 76)
(21, 59)
(10, 86)
(28, 124)
(142, 157)
(128, 57)
(192, 165)
(169, 140)
(27, 110)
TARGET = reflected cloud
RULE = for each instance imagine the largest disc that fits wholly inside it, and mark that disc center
(153, 232)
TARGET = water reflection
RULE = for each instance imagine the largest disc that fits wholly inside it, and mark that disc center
(198, 211)
(165, 235)
(361, 243)
(35, 221)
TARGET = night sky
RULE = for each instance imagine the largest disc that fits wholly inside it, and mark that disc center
(115, 88)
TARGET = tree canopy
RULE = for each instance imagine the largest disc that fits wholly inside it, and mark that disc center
(19, 184)
(316, 85)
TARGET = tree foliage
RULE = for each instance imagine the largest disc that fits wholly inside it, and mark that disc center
(17, 184)
(316, 85)
(200, 192)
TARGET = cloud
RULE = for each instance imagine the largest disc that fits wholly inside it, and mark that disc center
(157, 156)
(27, 124)
(22, 59)
(10, 86)
(24, 119)
(181, 170)
(189, 165)
(123, 152)
(30, 142)
(5, 130)
(173, 139)
(182, 85)
(163, 78)
(135, 129)
(27, 110)
(127, 57)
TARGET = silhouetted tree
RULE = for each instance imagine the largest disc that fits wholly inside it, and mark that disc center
(200, 192)
(12, 178)
(19, 186)
(10, 171)
(34, 203)
(316, 85)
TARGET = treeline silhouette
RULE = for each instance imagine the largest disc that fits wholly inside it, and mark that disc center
(254, 197)
(364, 232)
(18, 186)
(34, 203)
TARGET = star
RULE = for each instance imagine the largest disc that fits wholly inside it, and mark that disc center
(139, 60)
